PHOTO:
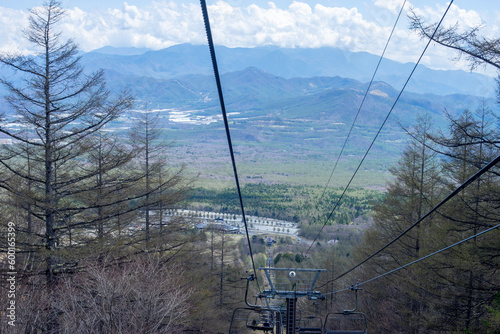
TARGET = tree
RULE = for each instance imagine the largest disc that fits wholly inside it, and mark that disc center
(472, 142)
(146, 295)
(160, 185)
(60, 107)
(413, 191)
(144, 136)
(73, 188)
(107, 155)
(452, 291)
(476, 49)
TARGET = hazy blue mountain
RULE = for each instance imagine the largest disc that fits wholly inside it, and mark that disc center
(185, 59)
(247, 89)
(124, 51)
(317, 100)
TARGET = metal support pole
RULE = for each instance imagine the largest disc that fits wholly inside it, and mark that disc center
(291, 309)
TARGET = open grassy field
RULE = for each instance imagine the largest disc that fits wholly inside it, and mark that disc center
(279, 162)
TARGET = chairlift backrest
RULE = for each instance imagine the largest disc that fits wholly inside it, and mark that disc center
(345, 323)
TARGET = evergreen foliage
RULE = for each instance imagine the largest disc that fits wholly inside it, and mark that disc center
(453, 291)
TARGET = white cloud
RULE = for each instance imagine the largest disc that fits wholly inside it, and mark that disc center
(393, 5)
(299, 25)
(165, 23)
(465, 18)
(12, 22)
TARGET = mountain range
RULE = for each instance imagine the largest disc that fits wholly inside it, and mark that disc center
(313, 85)
(290, 109)
(186, 59)
(289, 106)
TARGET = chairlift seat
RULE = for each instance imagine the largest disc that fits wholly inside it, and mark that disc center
(260, 327)
(309, 330)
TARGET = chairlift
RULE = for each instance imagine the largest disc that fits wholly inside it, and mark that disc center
(348, 321)
(250, 320)
(261, 320)
(255, 317)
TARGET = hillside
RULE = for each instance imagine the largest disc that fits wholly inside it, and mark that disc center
(284, 127)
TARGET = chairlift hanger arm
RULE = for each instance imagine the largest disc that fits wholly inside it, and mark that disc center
(354, 288)
(250, 278)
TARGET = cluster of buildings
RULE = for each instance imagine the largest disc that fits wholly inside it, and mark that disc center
(231, 223)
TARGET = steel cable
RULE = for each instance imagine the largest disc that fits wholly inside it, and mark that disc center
(226, 125)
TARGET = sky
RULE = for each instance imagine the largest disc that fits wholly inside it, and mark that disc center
(354, 25)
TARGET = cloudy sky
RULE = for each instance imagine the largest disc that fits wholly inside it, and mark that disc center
(354, 25)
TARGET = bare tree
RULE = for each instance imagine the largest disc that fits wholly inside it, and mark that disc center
(58, 107)
(159, 182)
(477, 50)
(146, 294)
(143, 296)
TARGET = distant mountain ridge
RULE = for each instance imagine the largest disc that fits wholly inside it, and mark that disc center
(123, 51)
(186, 59)
(261, 93)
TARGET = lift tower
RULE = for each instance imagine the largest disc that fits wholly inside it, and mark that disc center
(290, 284)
